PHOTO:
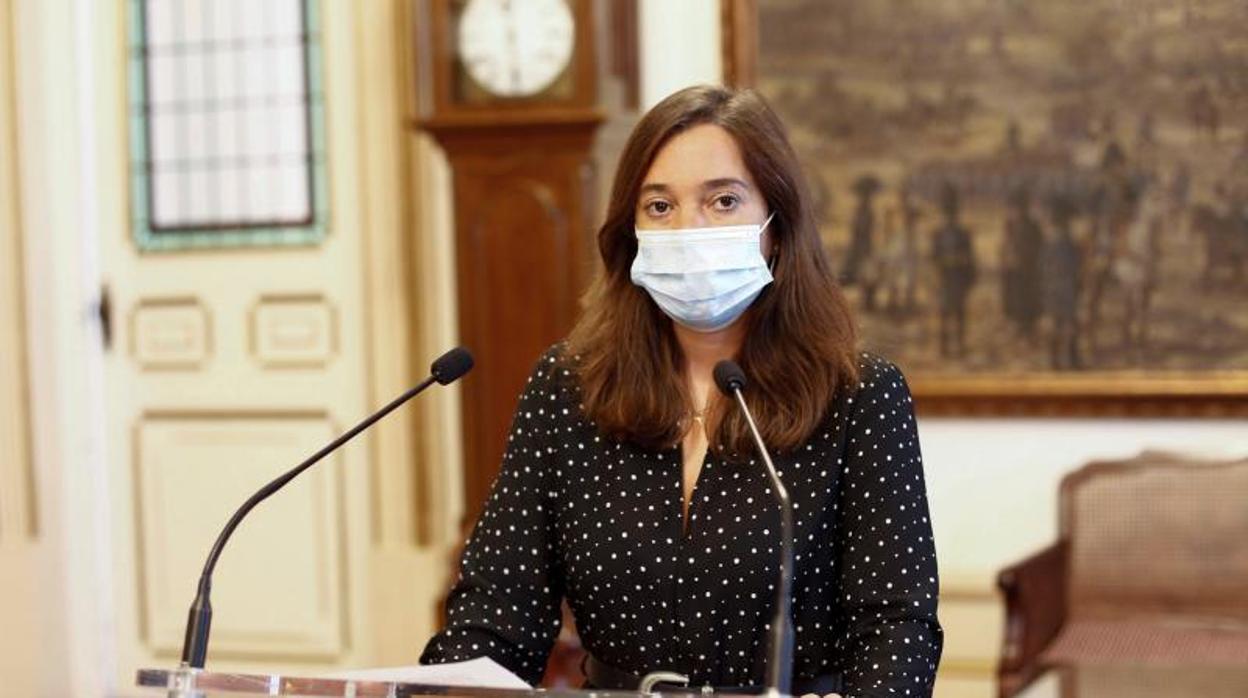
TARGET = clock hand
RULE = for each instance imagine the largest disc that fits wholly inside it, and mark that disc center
(513, 45)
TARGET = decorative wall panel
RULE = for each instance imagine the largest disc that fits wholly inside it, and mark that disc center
(293, 331)
(171, 333)
(278, 589)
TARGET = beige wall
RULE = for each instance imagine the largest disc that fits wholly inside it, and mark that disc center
(19, 516)
(56, 581)
(410, 265)
(679, 45)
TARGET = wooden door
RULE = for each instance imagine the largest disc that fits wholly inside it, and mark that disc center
(240, 331)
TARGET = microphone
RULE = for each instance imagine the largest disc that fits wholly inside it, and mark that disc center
(445, 369)
(731, 381)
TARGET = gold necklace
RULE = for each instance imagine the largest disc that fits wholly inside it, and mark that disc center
(699, 416)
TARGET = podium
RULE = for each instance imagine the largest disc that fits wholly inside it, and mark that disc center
(198, 683)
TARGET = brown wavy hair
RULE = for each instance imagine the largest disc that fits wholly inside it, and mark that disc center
(800, 344)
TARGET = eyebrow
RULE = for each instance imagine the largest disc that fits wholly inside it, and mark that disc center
(708, 184)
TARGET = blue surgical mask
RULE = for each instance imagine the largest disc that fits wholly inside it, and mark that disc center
(703, 278)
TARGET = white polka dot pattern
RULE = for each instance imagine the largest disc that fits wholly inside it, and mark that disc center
(574, 513)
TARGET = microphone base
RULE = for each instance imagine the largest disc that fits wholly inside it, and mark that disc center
(198, 626)
(183, 683)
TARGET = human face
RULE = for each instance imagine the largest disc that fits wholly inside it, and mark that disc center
(698, 180)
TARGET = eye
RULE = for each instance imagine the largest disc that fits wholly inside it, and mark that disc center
(658, 207)
(726, 202)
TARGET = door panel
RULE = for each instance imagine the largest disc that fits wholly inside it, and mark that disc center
(279, 592)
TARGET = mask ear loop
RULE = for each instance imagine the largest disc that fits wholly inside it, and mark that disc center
(775, 253)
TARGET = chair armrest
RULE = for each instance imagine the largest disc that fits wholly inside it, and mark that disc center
(1034, 592)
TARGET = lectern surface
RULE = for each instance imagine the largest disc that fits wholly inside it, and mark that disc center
(197, 683)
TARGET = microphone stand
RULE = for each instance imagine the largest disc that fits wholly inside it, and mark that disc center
(445, 369)
(731, 380)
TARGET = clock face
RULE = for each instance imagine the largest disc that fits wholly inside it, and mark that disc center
(516, 48)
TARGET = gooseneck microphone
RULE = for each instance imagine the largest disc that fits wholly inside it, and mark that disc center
(731, 381)
(446, 369)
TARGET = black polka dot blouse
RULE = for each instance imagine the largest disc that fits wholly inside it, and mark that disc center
(576, 514)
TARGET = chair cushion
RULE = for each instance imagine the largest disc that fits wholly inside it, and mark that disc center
(1157, 680)
(1158, 642)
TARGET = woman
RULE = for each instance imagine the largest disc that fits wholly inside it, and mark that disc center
(632, 489)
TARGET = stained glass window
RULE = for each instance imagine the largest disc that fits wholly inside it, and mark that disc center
(227, 126)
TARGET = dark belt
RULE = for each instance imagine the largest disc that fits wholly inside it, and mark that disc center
(605, 677)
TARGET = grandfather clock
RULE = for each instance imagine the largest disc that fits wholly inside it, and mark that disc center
(512, 103)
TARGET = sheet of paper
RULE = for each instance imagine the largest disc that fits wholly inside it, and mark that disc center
(481, 672)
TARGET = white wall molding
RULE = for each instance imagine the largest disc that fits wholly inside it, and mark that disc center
(53, 48)
(679, 46)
